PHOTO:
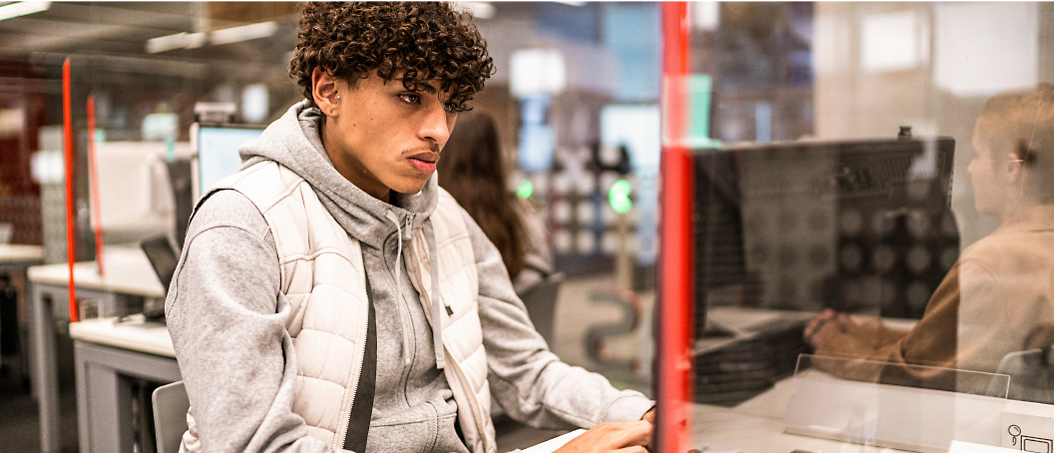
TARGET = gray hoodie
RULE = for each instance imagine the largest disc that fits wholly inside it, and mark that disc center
(226, 318)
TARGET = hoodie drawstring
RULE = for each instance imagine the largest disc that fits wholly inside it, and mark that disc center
(437, 299)
(398, 268)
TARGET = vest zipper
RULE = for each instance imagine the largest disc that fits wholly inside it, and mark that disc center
(476, 409)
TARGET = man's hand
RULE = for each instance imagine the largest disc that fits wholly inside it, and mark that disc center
(623, 437)
(650, 415)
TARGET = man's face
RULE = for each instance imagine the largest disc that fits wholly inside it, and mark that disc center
(988, 174)
(384, 137)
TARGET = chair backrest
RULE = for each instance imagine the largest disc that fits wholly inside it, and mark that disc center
(540, 300)
(170, 416)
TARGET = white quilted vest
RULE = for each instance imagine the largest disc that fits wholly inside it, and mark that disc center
(324, 280)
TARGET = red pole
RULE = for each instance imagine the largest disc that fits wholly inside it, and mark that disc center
(675, 296)
(67, 119)
(96, 208)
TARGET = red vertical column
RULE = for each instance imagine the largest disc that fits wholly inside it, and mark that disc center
(674, 285)
(96, 212)
(67, 120)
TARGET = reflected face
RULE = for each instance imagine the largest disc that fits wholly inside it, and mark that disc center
(384, 137)
(989, 176)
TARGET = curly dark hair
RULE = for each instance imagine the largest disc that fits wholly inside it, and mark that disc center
(430, 40)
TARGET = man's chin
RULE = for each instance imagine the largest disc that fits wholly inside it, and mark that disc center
(411, 188)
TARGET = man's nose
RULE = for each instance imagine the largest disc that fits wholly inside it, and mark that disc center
(435, 127)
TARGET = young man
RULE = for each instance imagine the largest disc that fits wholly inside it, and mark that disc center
(330, 296)
(1000, 290)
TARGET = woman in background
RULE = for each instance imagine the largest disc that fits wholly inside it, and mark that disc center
(472, 168)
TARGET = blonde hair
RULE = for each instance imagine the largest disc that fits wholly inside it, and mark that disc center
(1021, 122)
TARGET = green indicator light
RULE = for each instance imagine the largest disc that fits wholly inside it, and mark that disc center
(525, 189)
(618, 196)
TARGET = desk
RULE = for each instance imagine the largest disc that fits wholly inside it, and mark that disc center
(20, 256)
(14, 259)
(756, 426)
(107, 353)
(120, 292)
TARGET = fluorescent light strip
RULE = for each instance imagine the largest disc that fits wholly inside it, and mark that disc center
(176, 41)
(218, 37)
(243, 33)
(165, 43)
(23, 8)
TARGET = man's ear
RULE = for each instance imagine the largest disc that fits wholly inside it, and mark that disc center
(324, 90)
(1014, 168)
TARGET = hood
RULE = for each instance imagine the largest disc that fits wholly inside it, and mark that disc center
(293, 141)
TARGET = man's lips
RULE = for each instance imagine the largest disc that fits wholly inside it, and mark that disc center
(424, 162)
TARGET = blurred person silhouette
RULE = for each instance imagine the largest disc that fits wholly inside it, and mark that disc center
(1002, 287)
(473, 171)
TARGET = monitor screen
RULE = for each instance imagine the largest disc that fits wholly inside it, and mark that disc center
(217, 151)
(791, 228)
(162, 256)
(859, 226)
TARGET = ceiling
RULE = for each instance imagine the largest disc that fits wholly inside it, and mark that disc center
(123, 29)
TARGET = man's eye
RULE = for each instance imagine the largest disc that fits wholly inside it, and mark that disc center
(450, 107)
(410, 98)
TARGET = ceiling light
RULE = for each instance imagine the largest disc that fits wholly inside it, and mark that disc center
(537, 72)
(219, 37)
(243, 33)
(166, 43)
(481, 10)
(23, 8)
(176, 41)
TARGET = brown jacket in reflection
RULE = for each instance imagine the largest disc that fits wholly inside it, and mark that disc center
(998, 295)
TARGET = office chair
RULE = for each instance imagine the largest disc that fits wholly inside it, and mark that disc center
(170, 416)
(540, 300)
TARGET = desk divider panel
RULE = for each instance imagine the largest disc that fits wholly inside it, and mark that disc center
(908, 407)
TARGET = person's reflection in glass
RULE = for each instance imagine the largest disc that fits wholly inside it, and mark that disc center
(1002, 286)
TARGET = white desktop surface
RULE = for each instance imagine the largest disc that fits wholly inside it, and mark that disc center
(756, 426)
(134, 334)
(126, 271)
(552, 444)
(20, 254)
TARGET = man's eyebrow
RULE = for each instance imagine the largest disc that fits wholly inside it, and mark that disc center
(426, 87)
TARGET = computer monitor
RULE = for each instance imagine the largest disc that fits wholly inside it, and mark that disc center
(861, 226)
(132, 194)
(216, 150)
(856, 225)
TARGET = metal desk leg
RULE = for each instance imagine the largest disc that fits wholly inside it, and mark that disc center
(105, 393)
(45, 374)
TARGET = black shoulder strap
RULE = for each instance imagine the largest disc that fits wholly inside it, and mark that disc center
(362, 408)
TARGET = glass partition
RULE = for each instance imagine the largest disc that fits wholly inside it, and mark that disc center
(908, 407)
(868, 189)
